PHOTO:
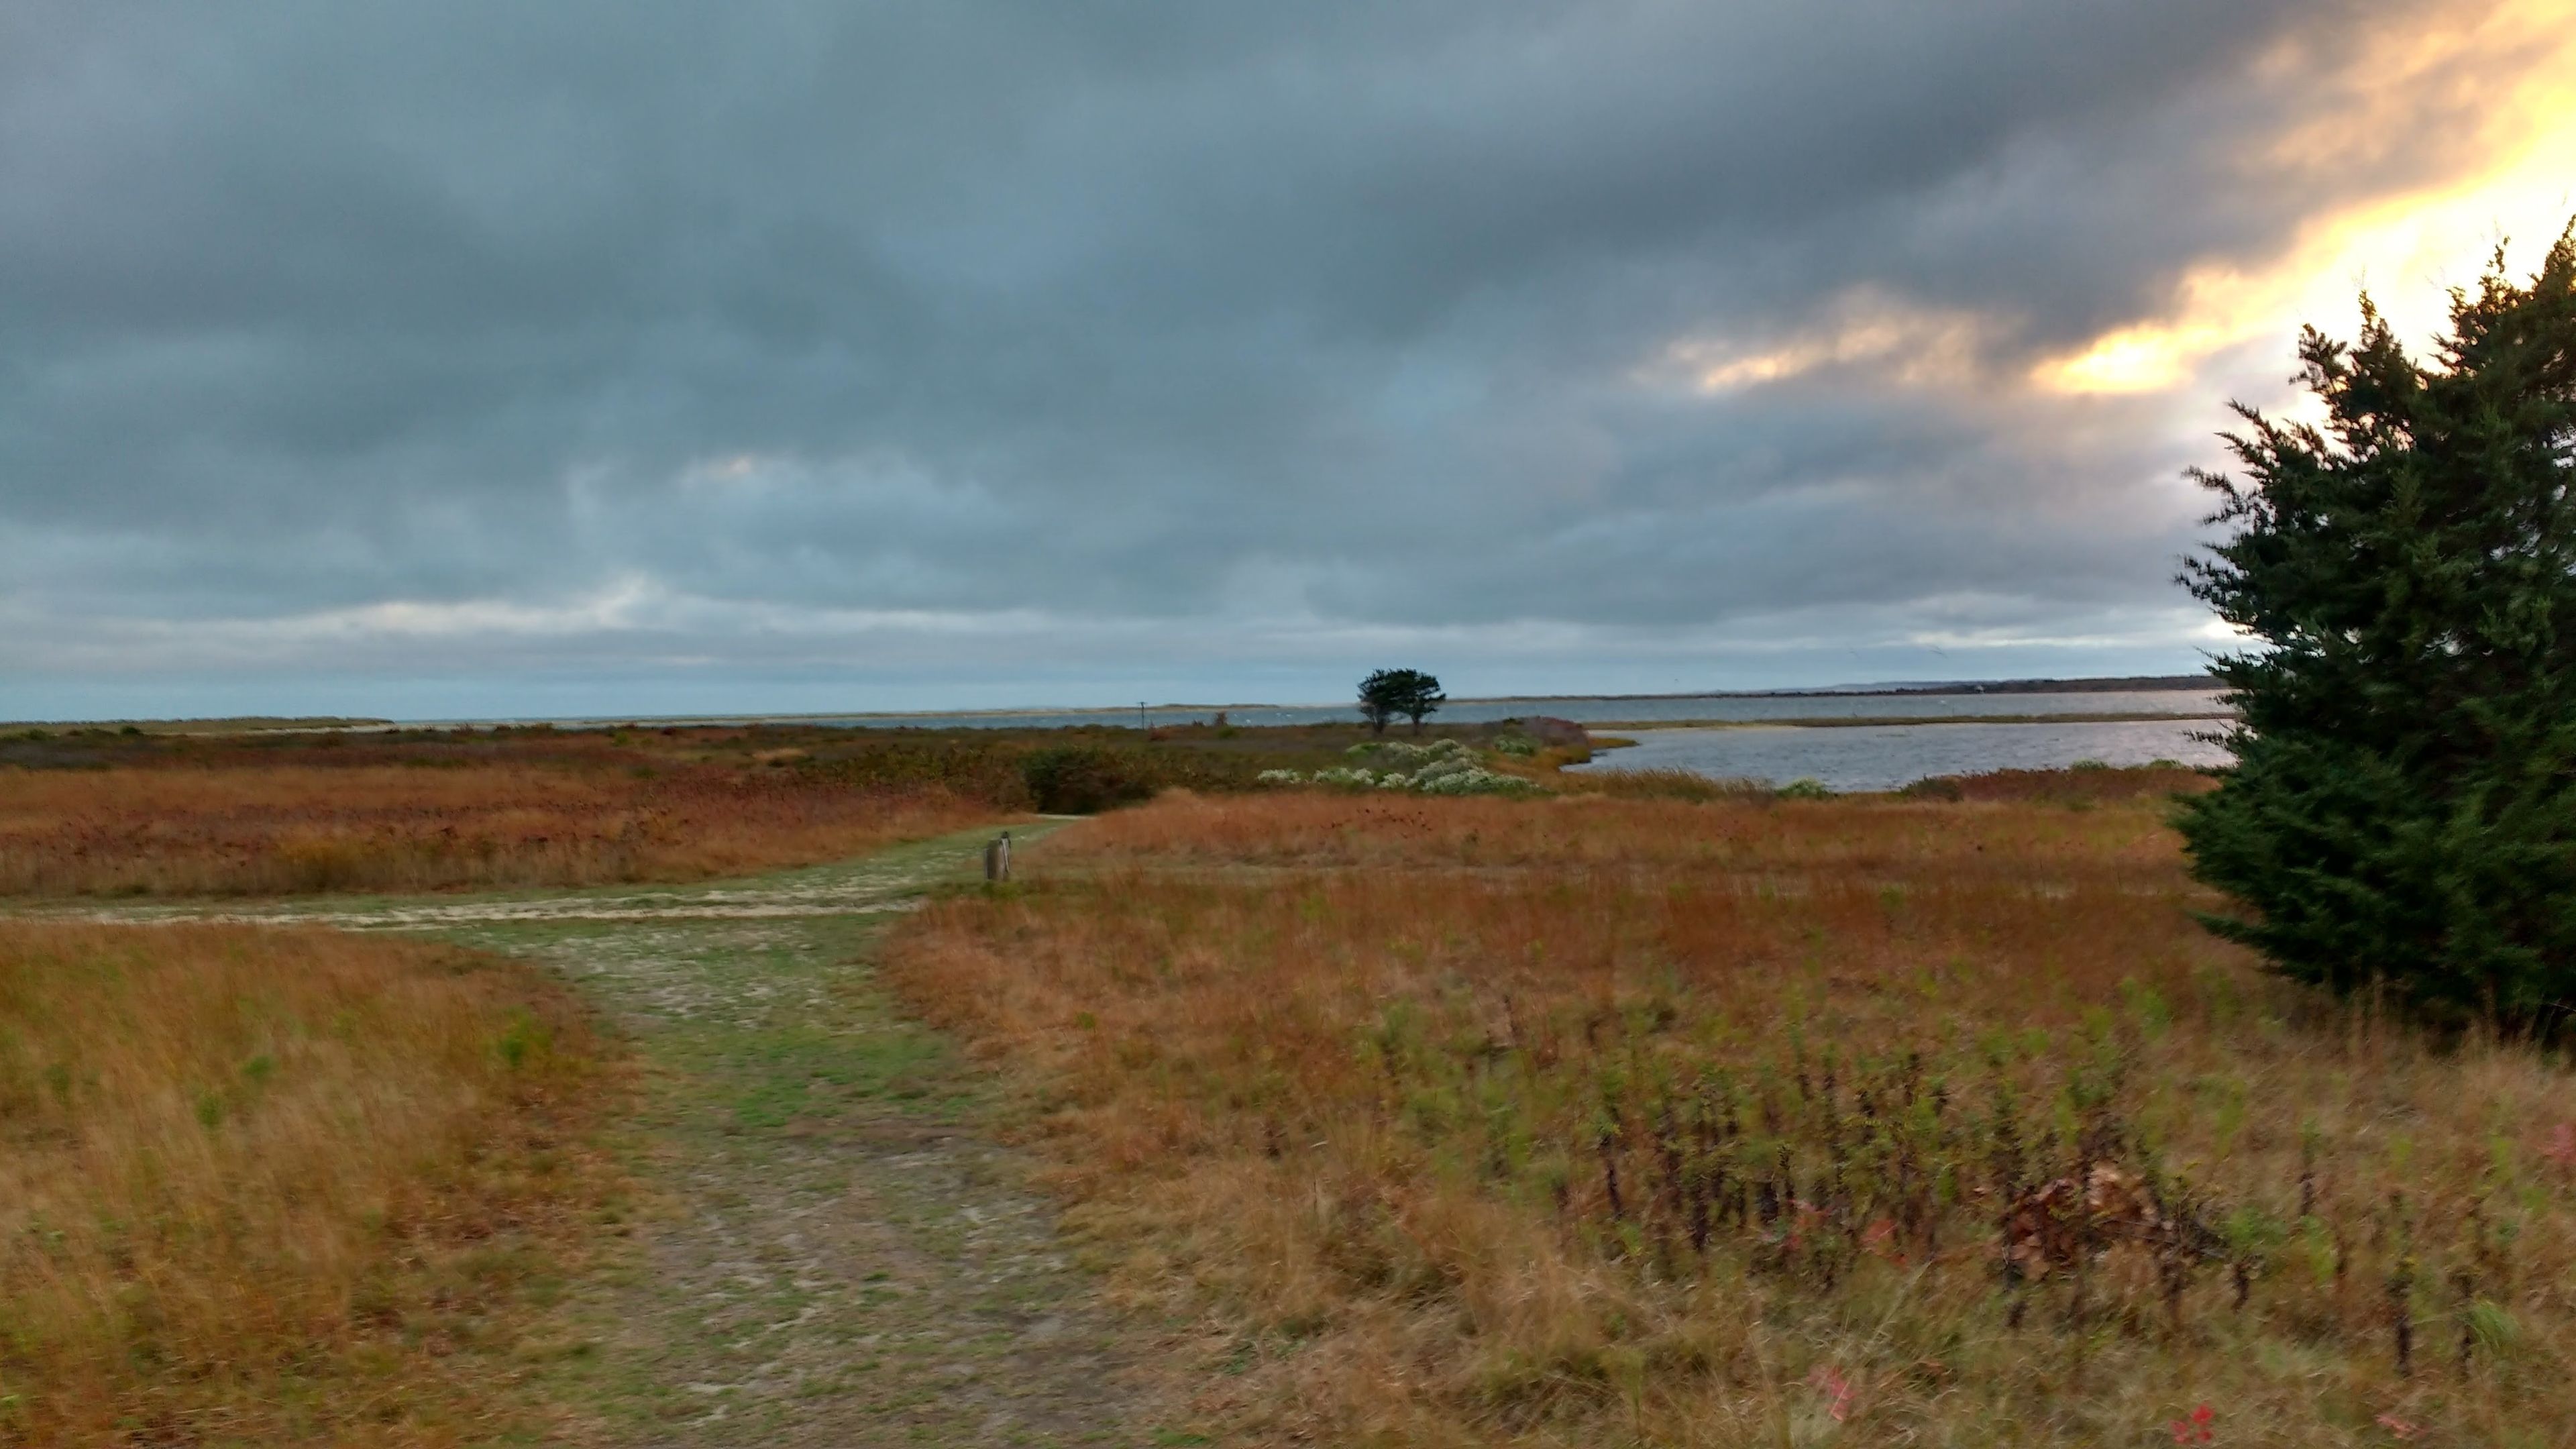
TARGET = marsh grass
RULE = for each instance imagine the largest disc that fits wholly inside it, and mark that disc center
(260, 827)
(269, 1187)
(1596, 1121)
(2080, 784)
(1660, 784)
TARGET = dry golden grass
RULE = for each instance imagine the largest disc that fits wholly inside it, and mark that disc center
(274, 828)
(1602, 1122)
(270, 1187)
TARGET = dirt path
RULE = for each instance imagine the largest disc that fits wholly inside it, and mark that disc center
(835, 1255)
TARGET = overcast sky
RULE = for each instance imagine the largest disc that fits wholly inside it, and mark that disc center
(472, 359)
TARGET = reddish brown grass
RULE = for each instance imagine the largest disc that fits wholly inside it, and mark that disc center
(236, 828)
(1317, 828)
(1483, 1121)
(2068, 787)
(267, 1187)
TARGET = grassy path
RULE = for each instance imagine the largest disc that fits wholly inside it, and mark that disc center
(834, 1254)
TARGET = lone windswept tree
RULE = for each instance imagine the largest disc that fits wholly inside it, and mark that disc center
(2402, 810)
(1391, 692)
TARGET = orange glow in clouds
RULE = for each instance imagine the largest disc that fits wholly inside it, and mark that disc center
(2512, 73)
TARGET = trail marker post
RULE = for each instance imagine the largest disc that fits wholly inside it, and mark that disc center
(997, 859)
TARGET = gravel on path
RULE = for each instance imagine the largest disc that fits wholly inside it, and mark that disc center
(835, 1250)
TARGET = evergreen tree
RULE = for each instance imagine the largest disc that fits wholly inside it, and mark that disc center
(1391, 692)
(2402, 809)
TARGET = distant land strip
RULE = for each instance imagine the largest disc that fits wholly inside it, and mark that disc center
(2124, 684)
(2121, 684)
(237, 725)
(1832, 722)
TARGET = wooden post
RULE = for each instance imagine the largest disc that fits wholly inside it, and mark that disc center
(997, 858)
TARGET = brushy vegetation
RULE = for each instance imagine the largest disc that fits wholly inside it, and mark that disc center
(1446, 767)
(1015, 773)
(1600, 1121)
(265, 1187)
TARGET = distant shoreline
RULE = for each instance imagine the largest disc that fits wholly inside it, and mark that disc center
(2123, 684)
(220, 725)
(1891, 721)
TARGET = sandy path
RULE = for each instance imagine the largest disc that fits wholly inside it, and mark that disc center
(835, 1251)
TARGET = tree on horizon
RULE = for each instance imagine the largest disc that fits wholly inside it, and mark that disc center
(1387, 693)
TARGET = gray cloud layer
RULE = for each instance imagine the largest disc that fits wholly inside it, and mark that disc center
(637, 338)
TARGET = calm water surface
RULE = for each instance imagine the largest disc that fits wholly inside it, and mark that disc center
(1883, 757)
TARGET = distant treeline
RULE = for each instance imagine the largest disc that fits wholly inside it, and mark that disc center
(2123, 684)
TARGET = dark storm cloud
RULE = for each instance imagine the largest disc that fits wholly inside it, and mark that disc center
(1358, 313)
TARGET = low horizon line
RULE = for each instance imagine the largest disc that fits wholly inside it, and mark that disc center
(2117, 684)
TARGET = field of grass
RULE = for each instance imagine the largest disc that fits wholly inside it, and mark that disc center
(1587, 1121)
(282, 1187)
(291, 827)
(106, 812)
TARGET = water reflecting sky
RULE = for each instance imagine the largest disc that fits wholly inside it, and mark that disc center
(1883, 757)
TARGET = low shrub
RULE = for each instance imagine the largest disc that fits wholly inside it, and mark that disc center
(977, 769)
(1407, 756)
(1085, 780)
(1444, 767)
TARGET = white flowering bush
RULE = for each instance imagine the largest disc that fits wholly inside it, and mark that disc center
(1443, 767)
(1474, 781)
(1403, 754)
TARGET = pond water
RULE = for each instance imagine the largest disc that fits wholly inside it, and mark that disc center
(1884, 757)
